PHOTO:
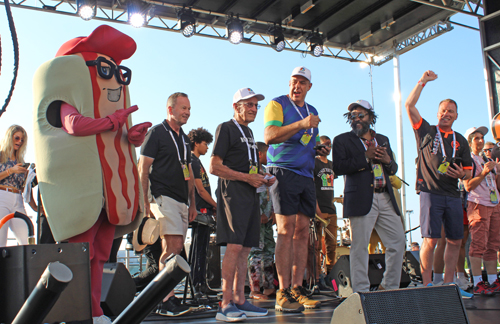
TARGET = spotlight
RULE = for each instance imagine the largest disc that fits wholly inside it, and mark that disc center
(136, 16)
(277, 38)
(315, 44)
(234, 30)
(187, 23)
(86, 9)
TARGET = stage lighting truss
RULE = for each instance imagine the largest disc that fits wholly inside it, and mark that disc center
(234, 30)
(276, 38)
(136, 14)
(86, 9)
(187, 22)
(315, 43)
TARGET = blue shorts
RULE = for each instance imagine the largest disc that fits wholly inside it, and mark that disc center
(294, 193)
(437, 211)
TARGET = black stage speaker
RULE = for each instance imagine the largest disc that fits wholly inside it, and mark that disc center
(214, 266)
(21, 268)
(340, 276)
(438, 304)
(118, 289)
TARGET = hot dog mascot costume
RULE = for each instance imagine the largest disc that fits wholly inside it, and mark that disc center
(85, 145)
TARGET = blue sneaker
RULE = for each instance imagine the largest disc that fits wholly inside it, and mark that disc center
(251, 310)
(230, 313)
(463, 293)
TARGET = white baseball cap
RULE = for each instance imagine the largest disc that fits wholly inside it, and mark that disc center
(363, 103)
(246, 93)
(483, 130)
(302, 71)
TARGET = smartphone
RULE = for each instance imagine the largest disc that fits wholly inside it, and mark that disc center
(319, 147)
(26, 165)
(385, 144)
(457, 160)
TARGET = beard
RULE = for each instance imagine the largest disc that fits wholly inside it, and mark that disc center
(365, 127)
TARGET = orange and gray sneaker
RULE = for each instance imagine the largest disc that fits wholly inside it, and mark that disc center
(300, 294)
(286, 303)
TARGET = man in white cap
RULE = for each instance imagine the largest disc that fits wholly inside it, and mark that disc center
(235, 161)
(291, 130)
(443, 158)
(365, 158)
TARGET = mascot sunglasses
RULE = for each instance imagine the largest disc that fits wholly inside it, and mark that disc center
(123, 74)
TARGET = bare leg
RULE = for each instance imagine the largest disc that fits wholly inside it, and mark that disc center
(426, 256)
(461, 255)
(170, 244)
(451, 258)
(284, 248)
(240, 275)
(300, 248)
(475, 266)
(229, 264)
(438, 261)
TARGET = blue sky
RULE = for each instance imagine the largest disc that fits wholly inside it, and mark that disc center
(210, 71)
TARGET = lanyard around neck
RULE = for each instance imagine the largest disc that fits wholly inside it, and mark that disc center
(298, 111)
(248, 145)
(177, 147)
(482, 163)
(364, 145)
(442, 144)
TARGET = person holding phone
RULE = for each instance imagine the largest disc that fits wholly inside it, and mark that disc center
(437, 180)
(364, 157)
(483, 212)
(12, 177)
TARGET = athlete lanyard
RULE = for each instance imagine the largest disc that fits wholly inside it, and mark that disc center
(177, 147)
(442, 144)
(377, 168)
(491, 187)
(254, 162)
(298, 111)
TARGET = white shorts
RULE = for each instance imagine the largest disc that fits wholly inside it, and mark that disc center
(172, 215)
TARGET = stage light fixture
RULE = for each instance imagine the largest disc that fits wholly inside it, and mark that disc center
(277, 38)
(315, 44)
(234, 30)
(136, 14)
(187, 22)
(86, 9)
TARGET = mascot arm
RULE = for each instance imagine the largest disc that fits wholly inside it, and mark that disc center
(76, 124)
(137, 133)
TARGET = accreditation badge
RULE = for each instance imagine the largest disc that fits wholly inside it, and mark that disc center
(377, 171)
(443, 167)
(185, 171)
(253, 169)
(304, 140)
(493, 197)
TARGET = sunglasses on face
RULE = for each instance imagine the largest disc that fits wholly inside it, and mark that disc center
(17, 138)
(354, 116)
(251, 105)
(488, 150)
(122, 74)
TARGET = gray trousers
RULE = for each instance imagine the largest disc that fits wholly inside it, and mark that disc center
(389, 227)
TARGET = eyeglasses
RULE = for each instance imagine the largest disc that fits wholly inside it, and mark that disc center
(122, 74)
(17, 138)
(487, 150)
(251, 105)
(353, 116)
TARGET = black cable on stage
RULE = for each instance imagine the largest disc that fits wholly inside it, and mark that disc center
(16, 55)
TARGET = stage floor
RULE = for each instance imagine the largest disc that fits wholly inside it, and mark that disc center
(480, 310)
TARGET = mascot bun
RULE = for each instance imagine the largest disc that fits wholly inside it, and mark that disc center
(79, 176)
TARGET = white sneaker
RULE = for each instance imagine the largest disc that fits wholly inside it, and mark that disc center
(103, 319)
(439, 283)
(463, 283)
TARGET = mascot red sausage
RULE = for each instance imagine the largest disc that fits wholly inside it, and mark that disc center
(84, 146)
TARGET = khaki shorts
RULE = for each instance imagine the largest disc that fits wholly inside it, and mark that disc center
(172, 215)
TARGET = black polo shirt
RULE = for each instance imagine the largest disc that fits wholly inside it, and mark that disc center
(430, 156)
(166, 177)
(199, 172)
